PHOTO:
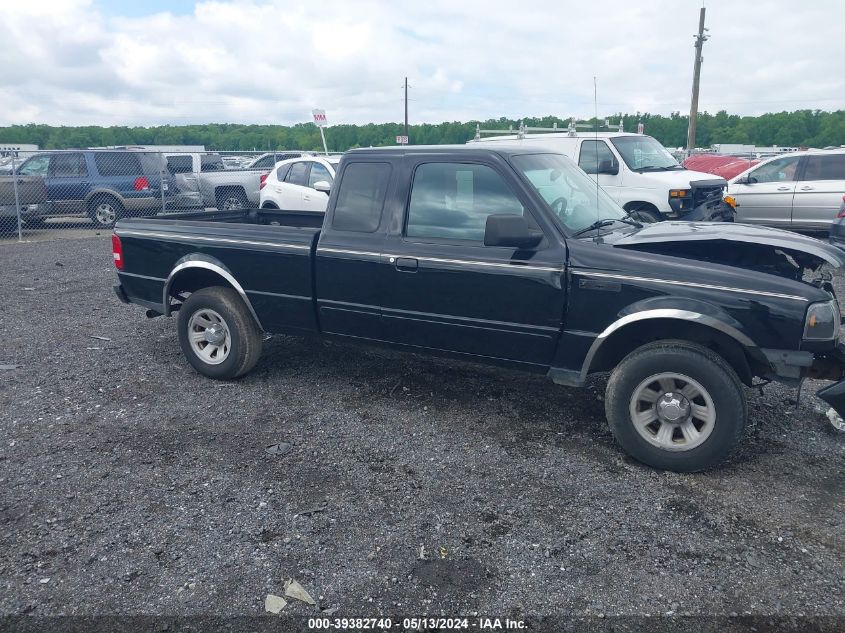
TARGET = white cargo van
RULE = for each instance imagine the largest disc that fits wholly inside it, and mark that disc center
(635, 169)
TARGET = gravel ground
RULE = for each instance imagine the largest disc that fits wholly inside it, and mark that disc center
(404, 485)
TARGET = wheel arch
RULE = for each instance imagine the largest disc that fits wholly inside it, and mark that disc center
(196, 271)
(641, 327)
(102, 193)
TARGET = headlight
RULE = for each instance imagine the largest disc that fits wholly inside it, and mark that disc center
(822, 323)
(679, 193)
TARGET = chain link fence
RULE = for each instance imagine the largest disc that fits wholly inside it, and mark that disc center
(55, 193)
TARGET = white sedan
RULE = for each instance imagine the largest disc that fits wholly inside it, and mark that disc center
(299, 184)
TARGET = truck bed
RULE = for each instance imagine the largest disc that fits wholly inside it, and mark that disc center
(245, 244)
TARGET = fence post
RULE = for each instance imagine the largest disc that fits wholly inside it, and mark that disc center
(17, 199)
(161, 160)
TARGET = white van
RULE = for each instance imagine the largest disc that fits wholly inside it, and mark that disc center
(635, 169)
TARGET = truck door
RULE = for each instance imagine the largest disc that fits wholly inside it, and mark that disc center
(68, 183)
(443, 289)
(347, 266)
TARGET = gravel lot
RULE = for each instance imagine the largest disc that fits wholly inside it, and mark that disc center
(131, 485)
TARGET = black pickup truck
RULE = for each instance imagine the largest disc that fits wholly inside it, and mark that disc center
(510, 256)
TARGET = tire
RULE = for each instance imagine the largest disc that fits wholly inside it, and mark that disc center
(219, 314)
(231, 200)
(717, 414)
(645, 214)
(104, 211)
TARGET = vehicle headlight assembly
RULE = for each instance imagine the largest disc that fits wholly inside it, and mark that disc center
(822, 322)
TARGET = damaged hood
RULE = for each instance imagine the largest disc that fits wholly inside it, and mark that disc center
(676, 237)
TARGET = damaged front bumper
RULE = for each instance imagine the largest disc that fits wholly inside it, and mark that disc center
(793, 366)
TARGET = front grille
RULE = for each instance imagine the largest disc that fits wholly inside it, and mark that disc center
(700, 195)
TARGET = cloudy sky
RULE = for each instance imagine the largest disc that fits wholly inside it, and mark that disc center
(134, 62)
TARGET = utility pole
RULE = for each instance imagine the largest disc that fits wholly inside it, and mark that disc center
(406, 107)
(696, 77)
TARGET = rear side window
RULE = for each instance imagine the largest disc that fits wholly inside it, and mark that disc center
(298, 174)
(831, 167)
(452, 201)
(360, 198)
(117, 163)
(68, 166)
(212, 163)
(264, 163)
(282, 171)
(180, 164)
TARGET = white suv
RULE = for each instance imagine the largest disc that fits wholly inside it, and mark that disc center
(636, 170)
(299, 184)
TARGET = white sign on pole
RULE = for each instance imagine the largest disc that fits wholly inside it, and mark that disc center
(640, 128)
(401, 140)
(320, 118)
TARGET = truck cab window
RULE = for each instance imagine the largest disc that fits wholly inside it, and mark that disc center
(360, 198)
(452, 201)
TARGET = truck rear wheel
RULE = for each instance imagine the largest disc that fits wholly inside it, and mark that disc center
(231, 199)
(217, 333)
(676, 405)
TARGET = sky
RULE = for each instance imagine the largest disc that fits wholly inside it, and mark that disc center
(151, 62)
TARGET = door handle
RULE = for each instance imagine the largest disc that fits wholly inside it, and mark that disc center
(805, 188)
(306, 197)
(784, 188)
(406, 264)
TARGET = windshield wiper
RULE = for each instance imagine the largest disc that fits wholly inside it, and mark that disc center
(595, 225)
(658, 167)
(625, 219)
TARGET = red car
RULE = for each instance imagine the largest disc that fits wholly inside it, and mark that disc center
(719, 164)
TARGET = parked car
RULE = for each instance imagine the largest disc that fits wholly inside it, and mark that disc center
(102, 185)
(637, 171)
(299, 183)
(722, 165)
(801, 190)
(185, 167)
(508, 255)
(837, 228)
(266, 161)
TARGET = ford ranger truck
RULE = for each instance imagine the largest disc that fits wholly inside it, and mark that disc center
(512, 256)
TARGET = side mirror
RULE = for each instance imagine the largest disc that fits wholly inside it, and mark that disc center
(507, 229)
(746, 180)
(323, 186)
(608, 166)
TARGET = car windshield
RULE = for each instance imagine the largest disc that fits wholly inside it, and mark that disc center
(573, 196)
(644, 153)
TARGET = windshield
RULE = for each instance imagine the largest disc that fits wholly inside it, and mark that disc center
(573, 196)
(643, 152)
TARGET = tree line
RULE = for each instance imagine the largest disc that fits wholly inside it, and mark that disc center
(803, 128)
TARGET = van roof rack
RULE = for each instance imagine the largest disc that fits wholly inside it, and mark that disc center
(571, 129)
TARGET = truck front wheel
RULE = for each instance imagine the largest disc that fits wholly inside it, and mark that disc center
(676, 405)
(217, 333)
